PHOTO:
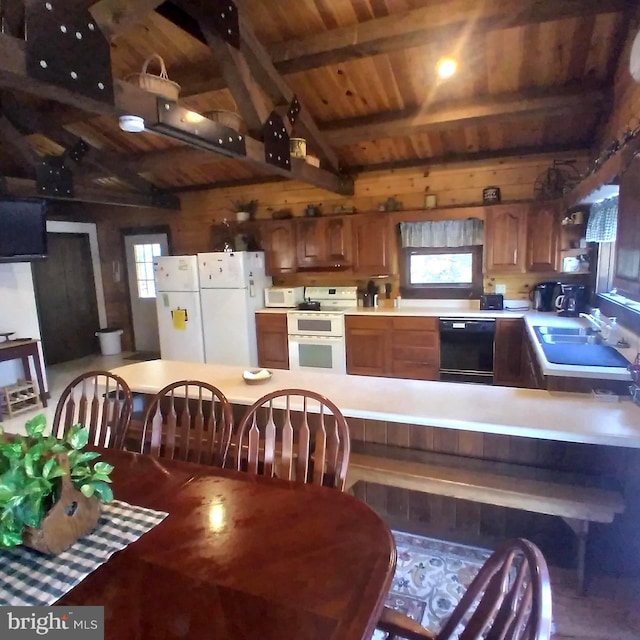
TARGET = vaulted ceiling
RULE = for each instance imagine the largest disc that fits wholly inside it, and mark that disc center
(532, 75)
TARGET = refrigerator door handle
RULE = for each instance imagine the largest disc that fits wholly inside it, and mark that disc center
(252, 289)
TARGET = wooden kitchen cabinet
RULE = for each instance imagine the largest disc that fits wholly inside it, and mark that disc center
(273, 346)
(367, 345)
(323, 242)
(278, 240)
(543, 231)
(532, 376)
(508, 367)
(415, 348)
(395, 347)
(506, 238)
(373, 244)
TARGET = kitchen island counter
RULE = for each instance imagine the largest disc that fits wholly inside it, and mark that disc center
(545, 415)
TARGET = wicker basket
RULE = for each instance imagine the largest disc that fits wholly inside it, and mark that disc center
(158, 85)
(229, 119)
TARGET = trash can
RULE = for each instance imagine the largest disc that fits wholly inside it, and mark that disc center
(110, 343)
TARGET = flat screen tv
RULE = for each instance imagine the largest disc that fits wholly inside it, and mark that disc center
(23, 229)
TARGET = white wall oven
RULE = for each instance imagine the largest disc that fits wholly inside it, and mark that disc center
(316, 338)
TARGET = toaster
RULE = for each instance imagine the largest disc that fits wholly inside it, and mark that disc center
(492, 302)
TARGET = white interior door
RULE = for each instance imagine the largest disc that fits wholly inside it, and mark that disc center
(140, 251)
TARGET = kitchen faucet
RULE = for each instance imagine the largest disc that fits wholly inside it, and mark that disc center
(596, 323)
(607, 329)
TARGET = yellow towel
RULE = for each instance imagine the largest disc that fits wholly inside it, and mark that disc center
(179, 319)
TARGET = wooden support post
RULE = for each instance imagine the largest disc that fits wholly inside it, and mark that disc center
(581, 529)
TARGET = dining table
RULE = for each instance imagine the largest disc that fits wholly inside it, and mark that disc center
(239, 557)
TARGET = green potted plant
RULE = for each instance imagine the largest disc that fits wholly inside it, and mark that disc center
(50, 492)
(245, 209)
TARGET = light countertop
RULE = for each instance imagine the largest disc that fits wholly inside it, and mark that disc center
(531, 318)
(532, 413)
(537, 319)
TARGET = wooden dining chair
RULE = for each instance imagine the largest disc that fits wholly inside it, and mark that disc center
(294, 434)
(509, 599)
(188, 420)
(99, 400)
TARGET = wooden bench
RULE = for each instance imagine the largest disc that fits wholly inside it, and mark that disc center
(577, 499)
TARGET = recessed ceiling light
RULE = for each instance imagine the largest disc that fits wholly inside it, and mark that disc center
(131, 124)
(447, 67)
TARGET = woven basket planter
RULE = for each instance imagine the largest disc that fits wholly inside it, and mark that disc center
(159, 85)
(70, 518)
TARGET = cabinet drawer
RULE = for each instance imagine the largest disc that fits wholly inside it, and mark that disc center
(417, 324)
(418, 356)
(367, 322)
(418, 339)
(414, 370)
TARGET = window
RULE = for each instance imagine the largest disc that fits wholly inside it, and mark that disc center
(144, 255)
(442, 273)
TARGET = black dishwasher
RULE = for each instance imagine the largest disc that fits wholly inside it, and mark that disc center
(466, 350)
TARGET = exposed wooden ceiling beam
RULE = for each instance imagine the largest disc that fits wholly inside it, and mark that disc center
(473, 157)
(12, 137)
(24, 188)
(249, 73)
(133, 100)
(461, 113)
(496, 108)
(29, 119)
(458, 159)
(238, 77)
(281, 94)
(459, 22)
(439, 22)
(114, 16)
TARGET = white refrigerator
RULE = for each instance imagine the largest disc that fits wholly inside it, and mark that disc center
(232, 288)
(178, 307)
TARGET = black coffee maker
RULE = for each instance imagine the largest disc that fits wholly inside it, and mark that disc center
(573, 300)
(544, 294)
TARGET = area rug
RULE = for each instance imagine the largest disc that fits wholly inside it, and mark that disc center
(431, 576)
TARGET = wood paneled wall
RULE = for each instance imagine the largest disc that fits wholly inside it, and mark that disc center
(456, 184)
(613, 548)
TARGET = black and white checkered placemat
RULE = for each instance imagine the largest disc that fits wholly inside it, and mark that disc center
(29, 578)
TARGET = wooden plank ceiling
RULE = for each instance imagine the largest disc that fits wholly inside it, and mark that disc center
(532, 74)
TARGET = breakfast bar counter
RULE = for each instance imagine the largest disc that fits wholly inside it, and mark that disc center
(538, 414)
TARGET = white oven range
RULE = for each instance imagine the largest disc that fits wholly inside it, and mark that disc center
(316, 338)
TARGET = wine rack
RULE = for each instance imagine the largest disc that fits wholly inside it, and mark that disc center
(19, 397)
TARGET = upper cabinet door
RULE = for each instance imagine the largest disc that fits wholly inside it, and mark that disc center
(372, 244)
(543, 231)
(324, 242)
(311, 242)
(506, 238)
(279, 244)
(338, 241)
(627, 271)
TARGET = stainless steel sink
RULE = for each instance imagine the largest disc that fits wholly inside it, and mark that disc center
(563, 331)
(568, 339)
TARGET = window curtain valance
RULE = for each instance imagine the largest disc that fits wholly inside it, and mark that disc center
(442, 233)
(603, 221)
